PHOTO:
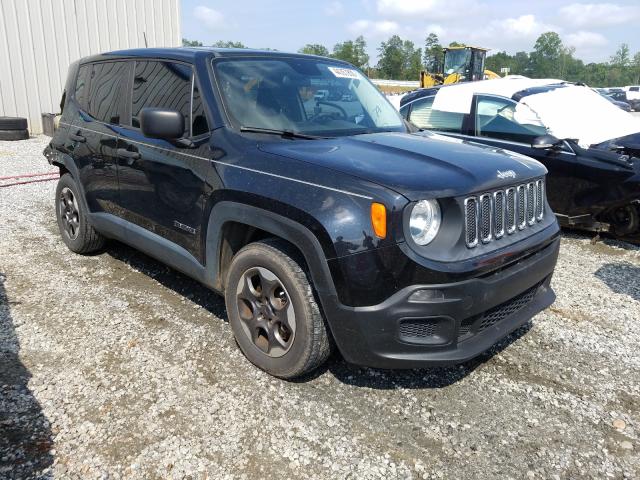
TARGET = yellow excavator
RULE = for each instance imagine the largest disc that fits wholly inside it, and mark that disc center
(461, 64)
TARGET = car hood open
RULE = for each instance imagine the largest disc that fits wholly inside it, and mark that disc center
(420, 165)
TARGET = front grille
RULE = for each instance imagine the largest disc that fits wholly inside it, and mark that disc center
(522, 206)
(531, 204)
(511, 210)
(499, 313)
(491, 215)
(486, 218)
(540, 204)
(476, 324)
(418, 328)
(471, 217)
(499, 210)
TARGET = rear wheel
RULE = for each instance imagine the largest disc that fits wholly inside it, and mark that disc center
(626, 220)
(273, 312)
(75, 229)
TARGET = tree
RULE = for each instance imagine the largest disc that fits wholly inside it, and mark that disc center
(457, 44)
(500, 60)
(545, 58)
(433, 57)
(354, 52)
(391, 61)
(399, 59)
(517, 64)
(191, 43)
(622, 57)
(315, 49)
(413, 61)
(521, 63)
(228, 44)
(360, 46)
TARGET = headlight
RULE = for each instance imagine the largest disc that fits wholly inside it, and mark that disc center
(424, 222)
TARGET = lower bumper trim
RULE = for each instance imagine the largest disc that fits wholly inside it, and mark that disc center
(473, 315)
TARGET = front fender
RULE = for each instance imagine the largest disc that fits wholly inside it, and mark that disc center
(273, 223)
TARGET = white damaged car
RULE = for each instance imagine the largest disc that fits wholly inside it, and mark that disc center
(590, 147)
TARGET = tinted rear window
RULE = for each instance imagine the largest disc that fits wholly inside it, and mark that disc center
(82, 86)
(106, 91)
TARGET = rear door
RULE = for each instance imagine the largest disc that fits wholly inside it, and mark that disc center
(94, 133)
(162, 183)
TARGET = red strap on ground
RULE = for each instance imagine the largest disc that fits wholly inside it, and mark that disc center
(30, 175)
(29, 181)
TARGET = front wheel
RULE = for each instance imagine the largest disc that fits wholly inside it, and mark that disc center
(273, 312)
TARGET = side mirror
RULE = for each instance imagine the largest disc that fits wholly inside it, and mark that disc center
(161, 123)
(544, 142)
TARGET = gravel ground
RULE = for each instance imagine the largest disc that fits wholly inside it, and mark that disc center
(114, 366)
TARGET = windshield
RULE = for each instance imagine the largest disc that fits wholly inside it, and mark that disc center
(457, 61)
(306, 96)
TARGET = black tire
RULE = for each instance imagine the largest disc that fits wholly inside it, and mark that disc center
(625, 220)
(12, 135)
(13, 123)
(82, 237)
(310, 345)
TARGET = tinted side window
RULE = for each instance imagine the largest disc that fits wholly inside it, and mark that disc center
(505, 119)
(82, 86)
(634, 89)
(423, 116)
(199, 119)
(106, 91)
(161, 85)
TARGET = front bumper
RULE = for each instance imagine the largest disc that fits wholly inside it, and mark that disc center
(457, 322)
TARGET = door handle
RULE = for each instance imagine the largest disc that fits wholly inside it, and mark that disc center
(77, 138)
(128, 154)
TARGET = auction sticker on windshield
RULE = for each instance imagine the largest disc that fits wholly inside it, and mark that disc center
(344, 73)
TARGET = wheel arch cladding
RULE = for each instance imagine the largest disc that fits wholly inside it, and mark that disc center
(226, 213)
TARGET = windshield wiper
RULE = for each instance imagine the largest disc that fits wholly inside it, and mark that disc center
(282, 133)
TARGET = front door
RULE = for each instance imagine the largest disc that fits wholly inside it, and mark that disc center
(163, 184)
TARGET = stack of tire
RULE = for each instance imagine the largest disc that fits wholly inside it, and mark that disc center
(13, 128)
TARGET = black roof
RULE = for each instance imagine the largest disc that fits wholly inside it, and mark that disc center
(190, 54)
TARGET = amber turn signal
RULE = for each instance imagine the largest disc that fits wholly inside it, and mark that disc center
(379, 219)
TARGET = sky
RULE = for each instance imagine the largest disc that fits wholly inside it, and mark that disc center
(594, 29)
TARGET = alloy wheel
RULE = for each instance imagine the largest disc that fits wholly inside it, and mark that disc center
(266, 312)
(69, 213)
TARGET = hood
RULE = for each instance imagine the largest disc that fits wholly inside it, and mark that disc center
(420, 165)
(622, 148)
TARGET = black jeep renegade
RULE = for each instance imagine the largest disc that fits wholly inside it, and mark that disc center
(289, 184)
